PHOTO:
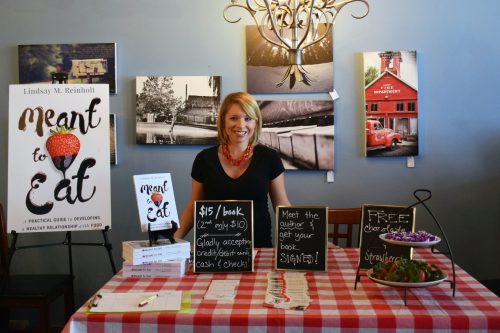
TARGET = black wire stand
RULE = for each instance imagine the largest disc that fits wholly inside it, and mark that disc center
(66, 242)
(155, 235)
(421, 201)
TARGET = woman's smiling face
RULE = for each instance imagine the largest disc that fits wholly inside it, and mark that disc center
(239, 126)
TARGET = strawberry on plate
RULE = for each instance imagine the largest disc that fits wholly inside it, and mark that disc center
(63, 147)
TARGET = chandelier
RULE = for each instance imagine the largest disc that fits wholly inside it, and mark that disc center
(293, 25)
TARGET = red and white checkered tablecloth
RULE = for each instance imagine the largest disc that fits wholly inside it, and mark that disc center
(335, 304)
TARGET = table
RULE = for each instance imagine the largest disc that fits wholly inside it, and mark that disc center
(335, 304)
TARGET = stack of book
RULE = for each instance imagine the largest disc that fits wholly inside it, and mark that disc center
(160, 260)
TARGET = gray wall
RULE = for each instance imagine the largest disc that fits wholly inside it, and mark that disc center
(458, 48)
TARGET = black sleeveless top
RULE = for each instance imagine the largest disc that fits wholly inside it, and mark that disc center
(253, 184)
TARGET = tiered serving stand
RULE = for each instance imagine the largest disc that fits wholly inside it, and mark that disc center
(431, 244)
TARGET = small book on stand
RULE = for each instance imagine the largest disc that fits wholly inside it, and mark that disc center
(155, 201)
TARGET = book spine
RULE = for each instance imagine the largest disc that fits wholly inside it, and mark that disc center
(153, 275)
(164, 257)
(166, 249)
(151, 260)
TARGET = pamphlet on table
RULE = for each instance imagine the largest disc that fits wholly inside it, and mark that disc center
(136, 302)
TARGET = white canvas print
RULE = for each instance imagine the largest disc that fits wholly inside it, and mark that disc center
(269, 70)
(81, 63)
(391, 103)
(177, 109)
(59, 161)
(302, 132)
(112, 140)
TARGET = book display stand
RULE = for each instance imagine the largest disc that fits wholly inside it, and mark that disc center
(153, 236)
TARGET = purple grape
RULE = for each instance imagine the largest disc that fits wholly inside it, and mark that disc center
(406, 236)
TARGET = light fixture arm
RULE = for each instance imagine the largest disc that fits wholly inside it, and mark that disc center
(338, 6)
(293, 24)
(271, 17)
(309, 18)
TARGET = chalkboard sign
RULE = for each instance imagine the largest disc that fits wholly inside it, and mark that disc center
(301, 238)
(223, 235)
(377, 220)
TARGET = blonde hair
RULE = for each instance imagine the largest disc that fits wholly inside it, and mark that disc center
(249, 105)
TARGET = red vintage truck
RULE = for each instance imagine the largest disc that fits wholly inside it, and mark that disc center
(378, 137)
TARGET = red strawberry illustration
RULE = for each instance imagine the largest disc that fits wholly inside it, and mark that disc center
(157, 198)
(62, 147)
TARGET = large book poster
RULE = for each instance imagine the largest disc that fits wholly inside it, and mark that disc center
(59, 163)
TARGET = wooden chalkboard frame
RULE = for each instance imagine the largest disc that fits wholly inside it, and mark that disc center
(373, 242)
(314, 244)
(245, 252)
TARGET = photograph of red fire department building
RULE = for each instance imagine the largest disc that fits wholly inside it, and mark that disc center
(391, 103)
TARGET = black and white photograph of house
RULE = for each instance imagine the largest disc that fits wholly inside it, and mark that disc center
(269, 70)
(302, 131)
(177, 109)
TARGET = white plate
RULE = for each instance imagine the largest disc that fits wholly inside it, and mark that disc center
(405, 284)
(413, 244)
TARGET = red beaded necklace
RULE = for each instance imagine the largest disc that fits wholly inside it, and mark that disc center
(237, 162)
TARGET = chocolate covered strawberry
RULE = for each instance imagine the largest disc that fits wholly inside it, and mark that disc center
(62, 146)
(157, 198)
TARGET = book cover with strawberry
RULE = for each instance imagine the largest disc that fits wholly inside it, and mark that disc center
(59, 157)
(156, 201)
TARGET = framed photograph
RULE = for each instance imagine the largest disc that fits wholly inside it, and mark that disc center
(177, 109)
(112, 139)
(89, 63)
(269, 70)
(301, 131)
(391, 103)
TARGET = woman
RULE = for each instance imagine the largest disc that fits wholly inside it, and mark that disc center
(238, 168)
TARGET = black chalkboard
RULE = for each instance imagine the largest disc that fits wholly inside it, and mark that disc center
(301, 238)
(223, 235)
(377, 220)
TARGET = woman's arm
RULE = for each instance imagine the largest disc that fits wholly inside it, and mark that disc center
(277, 192)
(187, 217)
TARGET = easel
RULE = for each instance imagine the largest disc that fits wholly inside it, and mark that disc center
(68, 237)
(62, 79)
(67, 242)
